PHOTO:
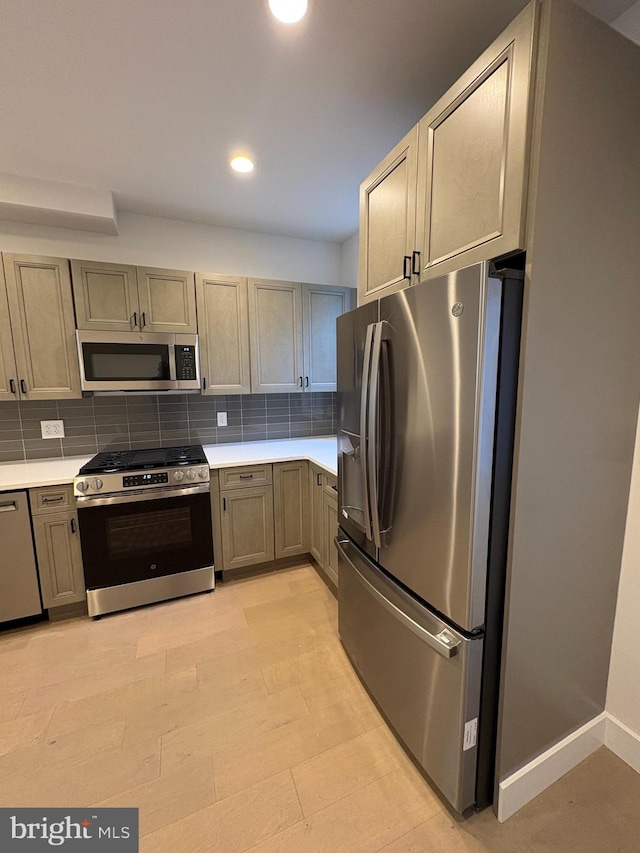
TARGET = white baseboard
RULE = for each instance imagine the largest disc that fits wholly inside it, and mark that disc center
(623, 741)
(525, 784)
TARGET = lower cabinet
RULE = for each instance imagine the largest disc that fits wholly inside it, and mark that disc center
(291, 509)
(247, 526)
(55, 528)
(323, 522)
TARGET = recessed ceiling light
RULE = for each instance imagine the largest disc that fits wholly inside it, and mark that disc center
(242, 164)
(288, 11)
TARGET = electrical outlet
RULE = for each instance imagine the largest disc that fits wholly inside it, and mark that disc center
(222, 418)
(52, 429)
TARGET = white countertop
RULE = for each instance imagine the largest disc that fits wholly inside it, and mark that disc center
(55, 472)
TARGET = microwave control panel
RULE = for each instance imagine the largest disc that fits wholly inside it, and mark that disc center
(185, 362)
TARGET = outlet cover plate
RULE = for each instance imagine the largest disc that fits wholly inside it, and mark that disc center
(222, 418)
(52, 429)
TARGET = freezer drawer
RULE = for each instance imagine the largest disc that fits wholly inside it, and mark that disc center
(424, 675)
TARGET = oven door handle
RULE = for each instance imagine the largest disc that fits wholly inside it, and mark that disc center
(141, 495)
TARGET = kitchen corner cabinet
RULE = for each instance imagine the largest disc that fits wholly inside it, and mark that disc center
(122, 298)
(291, 508)
(292, 335)
(388, 221)
(38, 352)
(58, 552)
(473, 157)
(223, 325)
(246, 517)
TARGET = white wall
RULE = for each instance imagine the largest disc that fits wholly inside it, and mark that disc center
(154, 241)
(349, 261)
(623, 694)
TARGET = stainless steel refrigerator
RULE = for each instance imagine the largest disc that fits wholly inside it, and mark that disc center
(426, 400)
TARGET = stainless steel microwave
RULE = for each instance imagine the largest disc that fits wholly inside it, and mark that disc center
(138, 361)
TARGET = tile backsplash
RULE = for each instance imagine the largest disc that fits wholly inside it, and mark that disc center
(122, 422)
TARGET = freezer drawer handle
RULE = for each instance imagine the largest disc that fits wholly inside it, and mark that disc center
(11, 506)
(444, 643)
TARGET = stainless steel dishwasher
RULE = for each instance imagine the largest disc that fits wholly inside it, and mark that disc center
(19, 587)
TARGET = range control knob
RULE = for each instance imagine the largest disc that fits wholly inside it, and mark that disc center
(97, 484)
(191, 474)
(82, 485)
(203, 473)
(178, 475)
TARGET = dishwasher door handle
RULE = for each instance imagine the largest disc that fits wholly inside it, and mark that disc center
(11, 506)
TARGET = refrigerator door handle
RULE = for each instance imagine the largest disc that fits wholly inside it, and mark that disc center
(364, 438)
(372, 433)
(445, 643)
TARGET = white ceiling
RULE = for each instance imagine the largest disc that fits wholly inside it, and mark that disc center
(149, 98)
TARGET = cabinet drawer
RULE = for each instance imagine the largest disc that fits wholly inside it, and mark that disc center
(249, 475)
(51, 499)
(330, 485)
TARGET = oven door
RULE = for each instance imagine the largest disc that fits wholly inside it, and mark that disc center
(129, 538)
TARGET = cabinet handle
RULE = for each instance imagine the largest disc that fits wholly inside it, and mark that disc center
(23, 386)
(204, 384)
(406, 268)
(246, 476)
(306, 381)
(300, 381)
(12, 386)
(143, 319)
(135, 318)
(416, 263)
(72, 523)
(53, 500)
(224, 504)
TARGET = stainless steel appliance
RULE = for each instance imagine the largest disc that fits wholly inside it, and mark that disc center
(426, 399)
(19, 588)
(145, 526)
(138, 361)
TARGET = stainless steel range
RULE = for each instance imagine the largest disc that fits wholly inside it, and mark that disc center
(145, 526)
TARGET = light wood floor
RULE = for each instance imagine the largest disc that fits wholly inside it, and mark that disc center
(234, 722)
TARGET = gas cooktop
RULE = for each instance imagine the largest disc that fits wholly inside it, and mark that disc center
(111, 462)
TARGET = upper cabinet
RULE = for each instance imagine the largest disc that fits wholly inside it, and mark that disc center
(275, 332)
(121, 298)
(453, 191)
(223, 325)
(388, 221)
(292, 330)
(472, 163)
(40, 308)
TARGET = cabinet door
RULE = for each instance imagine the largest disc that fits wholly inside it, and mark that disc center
(388, 221)
(105, 296)
(59, 559)
(330, 532)
(167, 300)
(316, 520)
(291, 508)
(44, 338)
(275, 334)
(247, 527)
(321, 306)
(473, 158)
(223, 325)
(8, 371)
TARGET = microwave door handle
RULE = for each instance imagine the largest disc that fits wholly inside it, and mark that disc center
(364, 395)
(172, 362)
(373, 437)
